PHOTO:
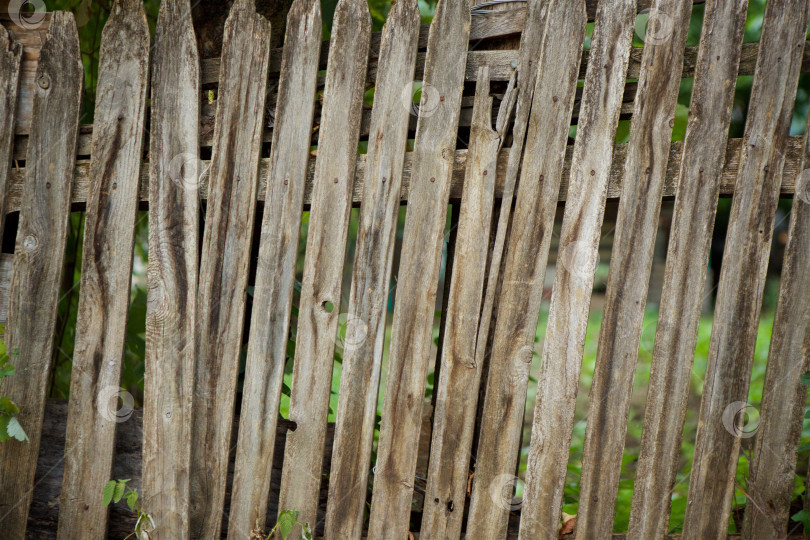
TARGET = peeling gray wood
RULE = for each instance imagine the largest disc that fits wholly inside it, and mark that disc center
(109, 237)
(371, 274)
(524, 268)
(275, 271)
(40, 251)
(745, 262)
(573, 281)
(419, 271)
(172, 271)
(773, 467)
(699, 182)
(645, 171)
(225, 260)
(10, 59)
(319, 308)
(457, 387)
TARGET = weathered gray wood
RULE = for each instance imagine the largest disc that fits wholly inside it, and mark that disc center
(698, 184)
(225, 259)
(275, 271)
(573, 281)
(40, 252)
(457, 387)
(773, 466)
(745, 262)
(418, 277)
(319, 308)
(524, 268)
(10, 59)
(109, 236)
(172, 271)
(645, 171)
(371, 274)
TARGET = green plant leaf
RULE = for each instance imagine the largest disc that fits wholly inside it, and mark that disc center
(286, 521)
(804, 447)
(109, 489)
(4, 420)
(14, 429)
(806, 378)
(132, 499)
(8, 407)
(120, 487)
(803, 517)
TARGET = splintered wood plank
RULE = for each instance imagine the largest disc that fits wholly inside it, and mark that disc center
(275, 271)
(419, 266)
(698, 186)
(371, 274)
(742, 277)
(109, 236)
(11, 53)
(319, 310)
(645, 170)
(773, 466)
(225, 260)
(573, 280)
(524, 269)
(39, 254)
(171, 272)
(457, 394)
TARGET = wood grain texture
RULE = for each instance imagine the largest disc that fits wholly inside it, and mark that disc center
(40, 251)
(420, 261)
(225, 259)
(457, 388)
(573, 280)
(698, 185)
(11, 53)
(742, 276)
(275, 271)
(645, 171)
(773, 466)
(319, 308)
(524, 269)
(109, 237)
(171, 275)
(371, 274)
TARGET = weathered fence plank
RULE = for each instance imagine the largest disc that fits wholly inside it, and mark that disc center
(742, 276)
(524, 270)
(275, 271)
(109, 237)
(371, 274)
(773, 467)
(225, 259)
(171, 275)
(573, 280)
(420, 262)
(40, 252)
(631, 259)
(10, 59)
(457, 387)
(319, 309)
(698, 186)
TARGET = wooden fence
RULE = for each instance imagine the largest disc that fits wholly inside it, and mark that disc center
(210, 467)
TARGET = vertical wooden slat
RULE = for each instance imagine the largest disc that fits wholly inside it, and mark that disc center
(10, 58)
(225, 259)
(687, 258)
(419, 270)
(319, 309)
(773, 466)
(745, 262)
(275, 271)
(371, 274)
(454, 411)
(525, 266)
(172, 269)
(38, 259)
(109, 236)
(645, 170)
(573, 280)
